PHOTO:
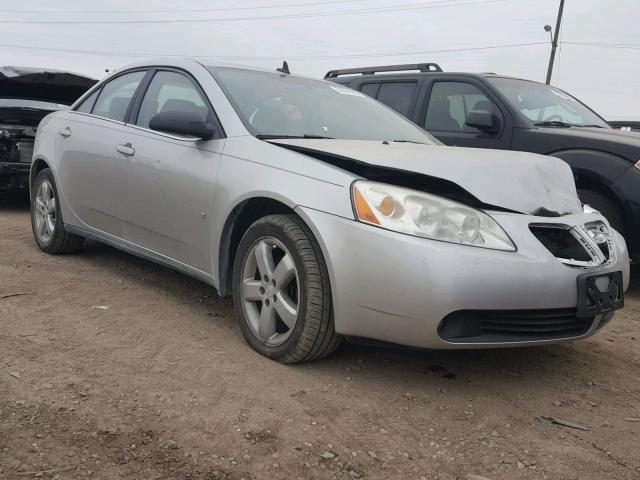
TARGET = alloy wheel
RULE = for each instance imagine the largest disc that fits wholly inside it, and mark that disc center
(270, 291)
(45, 212)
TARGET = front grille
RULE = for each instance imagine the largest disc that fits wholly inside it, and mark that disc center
(485, 326)
(585, 246)
(560, 242)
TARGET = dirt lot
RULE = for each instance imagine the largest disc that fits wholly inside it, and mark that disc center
(161, 385)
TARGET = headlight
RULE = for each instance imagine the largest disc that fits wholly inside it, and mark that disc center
(424, 215)
(637, 165)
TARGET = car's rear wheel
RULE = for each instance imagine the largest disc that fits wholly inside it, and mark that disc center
(605, 206)
(46, 218)
(281, 291)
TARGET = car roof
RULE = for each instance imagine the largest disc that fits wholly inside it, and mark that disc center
(481, 75)
(186, 63)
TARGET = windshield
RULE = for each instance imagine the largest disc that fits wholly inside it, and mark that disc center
(545, 104)
(277, 105)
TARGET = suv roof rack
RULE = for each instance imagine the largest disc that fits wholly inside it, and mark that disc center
(422, 67)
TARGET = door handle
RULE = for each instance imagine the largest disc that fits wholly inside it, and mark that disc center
(65, 132)
(126, 149)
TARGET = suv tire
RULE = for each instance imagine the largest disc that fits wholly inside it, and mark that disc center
(605, 206)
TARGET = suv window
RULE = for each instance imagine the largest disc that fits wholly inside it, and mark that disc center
(449, 104)
(171, 91)
(116, 95)
(397, 95)
(370, 89)
(87, 105)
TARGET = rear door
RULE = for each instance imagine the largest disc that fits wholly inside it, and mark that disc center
(444, 107)
(86, 145)
(398, 93)
(165, 183)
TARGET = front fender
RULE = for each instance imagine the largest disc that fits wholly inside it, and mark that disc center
(596, 165)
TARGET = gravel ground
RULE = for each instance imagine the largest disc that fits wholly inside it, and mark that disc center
(113, 367)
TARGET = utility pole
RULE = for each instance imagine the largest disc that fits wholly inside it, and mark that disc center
(554, 43)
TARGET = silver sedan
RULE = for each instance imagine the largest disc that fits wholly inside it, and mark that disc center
(324, 213)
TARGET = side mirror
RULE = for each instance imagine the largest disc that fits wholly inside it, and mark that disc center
(483, 120)
(182, 122)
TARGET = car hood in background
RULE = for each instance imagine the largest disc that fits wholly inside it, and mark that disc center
(522, 182)
(44, 85)
(618, 142)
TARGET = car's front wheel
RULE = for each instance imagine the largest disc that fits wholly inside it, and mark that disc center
(46, 218)
(281, 291)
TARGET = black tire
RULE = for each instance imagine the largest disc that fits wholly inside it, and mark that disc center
(61, 241)
(313, 335)
(605, 206)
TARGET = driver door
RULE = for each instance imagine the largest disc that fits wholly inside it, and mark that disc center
(446, 109)
(165, 185)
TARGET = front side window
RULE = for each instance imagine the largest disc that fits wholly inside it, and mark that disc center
(543, 103)
(171, 91)
(116, 95)
(278, 105)
(449, 104)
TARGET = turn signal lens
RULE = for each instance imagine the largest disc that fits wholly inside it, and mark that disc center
(365, 214)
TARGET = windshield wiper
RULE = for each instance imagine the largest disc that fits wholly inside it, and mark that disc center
(277, 137)
(554, 123)
(592, 126)
(408, 141)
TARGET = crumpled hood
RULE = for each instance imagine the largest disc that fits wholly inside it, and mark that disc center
(523, 182)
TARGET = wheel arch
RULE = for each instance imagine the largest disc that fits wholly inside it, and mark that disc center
(39, 164)
(239, 219)
(597, 170)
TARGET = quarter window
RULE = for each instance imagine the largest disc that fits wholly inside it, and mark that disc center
(449, 104)
(171, 91)
(116, 95)
(87, 105)
(397, 95)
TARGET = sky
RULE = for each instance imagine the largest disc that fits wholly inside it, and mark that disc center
(318, 35)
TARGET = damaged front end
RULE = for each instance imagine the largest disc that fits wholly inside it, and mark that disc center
(27, 95)
(18, 124)
(486, 179)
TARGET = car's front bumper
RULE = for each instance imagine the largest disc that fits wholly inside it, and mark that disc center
(398, 288)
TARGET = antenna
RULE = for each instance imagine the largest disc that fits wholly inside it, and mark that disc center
(284, 69)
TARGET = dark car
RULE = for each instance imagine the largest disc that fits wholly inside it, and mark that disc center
(626, 126)
(493, 111)
(27, 95)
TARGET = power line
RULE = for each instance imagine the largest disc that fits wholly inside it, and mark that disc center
(387, 9)
(625, 46)
(305, 57)
(196, 10)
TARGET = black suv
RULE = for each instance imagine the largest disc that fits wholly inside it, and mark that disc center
(492, 111)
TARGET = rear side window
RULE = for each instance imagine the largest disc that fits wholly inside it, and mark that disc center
(87, 105)
(171, 91)
(116, 95)
(370, 89)
(449, 104)
(397, 95)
